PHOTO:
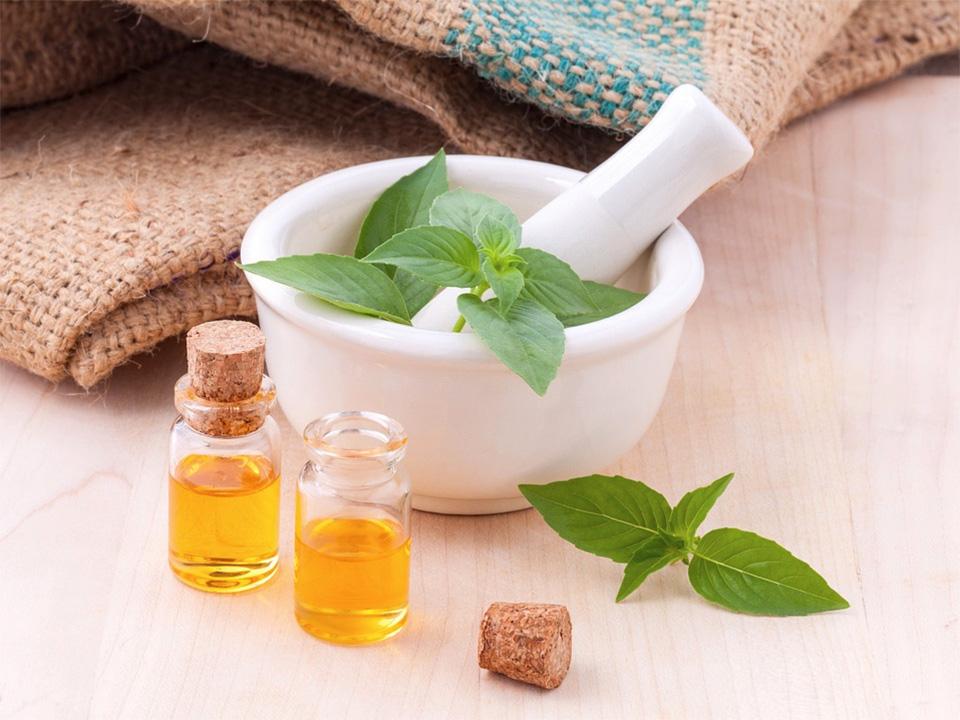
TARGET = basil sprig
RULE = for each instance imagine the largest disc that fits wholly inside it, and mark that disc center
(419, 237)
(626, 521)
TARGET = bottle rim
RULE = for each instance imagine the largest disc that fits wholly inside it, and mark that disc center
(223, 419)
(356, 434)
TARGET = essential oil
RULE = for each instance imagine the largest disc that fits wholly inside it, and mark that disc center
(224, 476)
(352, 551)
(224, 518)
(352, 578)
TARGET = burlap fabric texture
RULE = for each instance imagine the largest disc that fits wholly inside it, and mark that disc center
(122, 208)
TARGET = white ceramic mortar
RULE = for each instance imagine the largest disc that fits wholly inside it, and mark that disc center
(476, 430)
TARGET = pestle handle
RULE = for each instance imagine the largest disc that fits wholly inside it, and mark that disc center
(602, 224)
(688, 147)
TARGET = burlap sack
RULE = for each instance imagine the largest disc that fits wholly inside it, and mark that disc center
(320, 40)
(54, 49)
(122, 216)
(880, 40)
(121, 210)
(608, 65)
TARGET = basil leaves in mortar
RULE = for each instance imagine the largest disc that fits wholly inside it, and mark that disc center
(419, 237)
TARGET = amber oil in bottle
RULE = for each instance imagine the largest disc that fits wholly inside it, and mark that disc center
(352, 550)
(224, 479)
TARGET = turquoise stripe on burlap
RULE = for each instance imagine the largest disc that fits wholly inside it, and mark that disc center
(609, 63)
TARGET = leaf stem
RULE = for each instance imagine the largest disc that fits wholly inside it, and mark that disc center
(479, 290)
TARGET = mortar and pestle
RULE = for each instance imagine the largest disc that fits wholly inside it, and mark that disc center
(476, 430)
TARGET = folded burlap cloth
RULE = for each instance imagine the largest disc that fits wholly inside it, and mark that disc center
(123, 205)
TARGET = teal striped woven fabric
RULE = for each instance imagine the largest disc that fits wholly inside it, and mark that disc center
(606, 62)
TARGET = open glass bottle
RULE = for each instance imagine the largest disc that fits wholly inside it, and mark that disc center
(352, 552)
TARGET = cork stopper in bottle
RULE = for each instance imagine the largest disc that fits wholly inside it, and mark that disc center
(225, 360)
(529, 642)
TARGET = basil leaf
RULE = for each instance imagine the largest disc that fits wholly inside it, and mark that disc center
(463, 210)
(554, 284)
(438, 255)
(609, 516)
(506, 283)
(609, 300)
(340, 280)
(416, 292)
(748, 573)
(527, 338)
(694, 506)
(405, 204)
(652, 555)
(496, 238)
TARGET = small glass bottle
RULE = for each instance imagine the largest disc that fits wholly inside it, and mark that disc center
(224, 472)
(352, 551)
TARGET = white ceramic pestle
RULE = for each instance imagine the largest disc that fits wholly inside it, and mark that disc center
(601, 225)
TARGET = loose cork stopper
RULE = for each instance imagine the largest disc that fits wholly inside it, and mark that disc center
(225, 360)
(529, 642)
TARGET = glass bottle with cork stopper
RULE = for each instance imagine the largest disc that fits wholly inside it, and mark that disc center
(224, 468)
(352, 549)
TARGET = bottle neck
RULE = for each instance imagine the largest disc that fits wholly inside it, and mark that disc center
(344, 474)
(224, 419)
(355, 450)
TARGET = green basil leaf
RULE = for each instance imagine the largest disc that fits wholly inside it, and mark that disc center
(439, 255)
(694, 506)
(506, 283)
(527, 338)
(416, 292)
(405, 204)
(463, 210)
(496, 239)
(748, 573)
(609, 516)
(340, 280)
(609, 300)
(554, 284)
(652, 555)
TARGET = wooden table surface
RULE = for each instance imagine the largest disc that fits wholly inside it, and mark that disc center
(821, 363)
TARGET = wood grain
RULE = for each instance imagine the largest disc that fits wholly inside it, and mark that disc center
(820, 364)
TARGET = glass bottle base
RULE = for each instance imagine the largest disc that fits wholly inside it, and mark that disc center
(351, 627)
(218, 575)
